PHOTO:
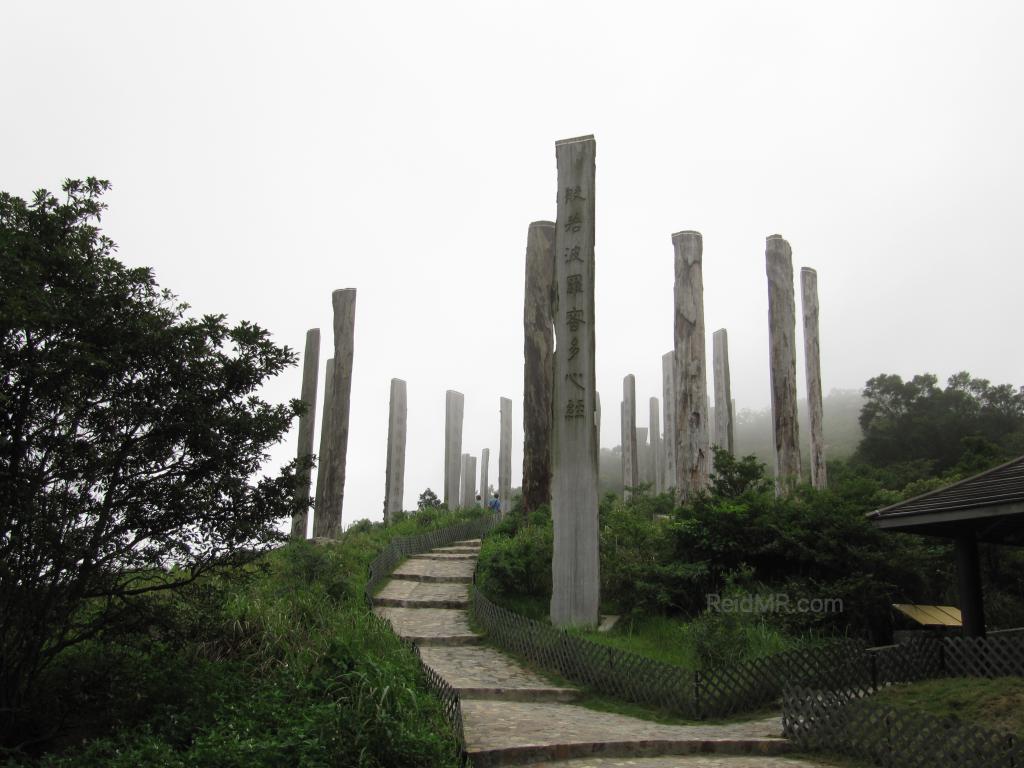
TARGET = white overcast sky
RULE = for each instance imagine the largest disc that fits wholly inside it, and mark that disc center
(263, 154)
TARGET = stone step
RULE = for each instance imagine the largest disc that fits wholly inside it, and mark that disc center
(435, 568)
(563, 695)
(511, 733)
(421, 602)
(468, 543)
(429, 626)
(442, 556)
(444, 640)
(525, 754)
(432, 578)
(687, 761)
(456, 551)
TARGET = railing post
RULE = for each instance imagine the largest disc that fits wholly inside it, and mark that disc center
(697, 709)
(874, 671)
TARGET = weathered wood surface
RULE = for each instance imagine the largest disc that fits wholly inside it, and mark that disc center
(668, 397)
(724, 427)
(630, 459)
(325, 429)
(307, 425)
(485, 459)
(691, 412)
(812, 368)
(505, 456)
(782, 355)
(575, 564)
(657, 449)
(344, 305)
(454, 403)
(394, 468)
(538, 369)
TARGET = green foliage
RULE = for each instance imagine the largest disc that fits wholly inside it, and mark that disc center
(515, 559)
(968, 426)
(734, 477)
(130, 437)
(428, 499)
(284, 666)
(996, 703)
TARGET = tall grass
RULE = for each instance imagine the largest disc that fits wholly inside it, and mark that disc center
(282, 664)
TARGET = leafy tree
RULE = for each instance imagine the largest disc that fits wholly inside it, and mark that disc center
(733, 477)
(428, 499)
(915, 420)
(129, 437)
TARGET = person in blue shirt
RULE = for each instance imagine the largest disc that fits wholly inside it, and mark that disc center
(494, 505)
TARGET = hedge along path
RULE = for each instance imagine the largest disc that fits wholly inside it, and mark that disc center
(513, 716)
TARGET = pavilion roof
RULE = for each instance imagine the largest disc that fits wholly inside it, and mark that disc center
(991, 504)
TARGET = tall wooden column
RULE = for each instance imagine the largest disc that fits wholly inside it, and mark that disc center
(812, 368)
(394, 470)
(782, 343)
(575, 564)
(344, 305)
(691, 416)
(539, 345)
(307, 424)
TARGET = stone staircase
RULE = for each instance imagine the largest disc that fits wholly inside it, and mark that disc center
(514, 716)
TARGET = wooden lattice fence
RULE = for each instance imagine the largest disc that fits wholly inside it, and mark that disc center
(691, 693)
(993, 656)
(851, 723)
(401, 547)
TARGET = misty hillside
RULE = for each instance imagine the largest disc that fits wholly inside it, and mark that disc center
(754, 435)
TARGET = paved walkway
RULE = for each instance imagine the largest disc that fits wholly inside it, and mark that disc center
(514, 716)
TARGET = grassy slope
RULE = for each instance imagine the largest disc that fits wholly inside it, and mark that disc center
(996, 704)
(286, 667)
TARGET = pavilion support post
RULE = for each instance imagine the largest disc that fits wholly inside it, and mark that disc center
(968, 569)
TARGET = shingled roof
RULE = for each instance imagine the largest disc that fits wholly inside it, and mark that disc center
(991, 503)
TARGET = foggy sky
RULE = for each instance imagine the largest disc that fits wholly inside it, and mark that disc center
(263, 154)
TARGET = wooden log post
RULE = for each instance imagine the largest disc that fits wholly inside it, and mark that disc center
(539, 345)
(724, 428)
(630, 460)
(575, 566)
(782, 350)
(657, 447)
(485, 459)
(307, 425)
(643, 456)
(668, 397)
(505, 456)
(325, 429)
(812, 368)
(691, 417)
(344, 305)
(394, 469)
(454, 403)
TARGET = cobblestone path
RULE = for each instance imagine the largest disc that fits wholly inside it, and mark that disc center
(514, 716)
